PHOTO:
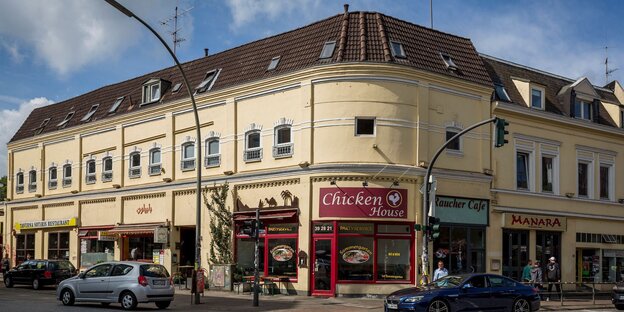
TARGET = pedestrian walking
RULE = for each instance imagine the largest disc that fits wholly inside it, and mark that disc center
(536, 275)
(440, 272)
(553, 275)
(526, 272)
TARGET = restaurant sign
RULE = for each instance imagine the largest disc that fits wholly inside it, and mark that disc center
(106, 236)
(359, 202)
(28, 225)
(462, 210)
(527, 221)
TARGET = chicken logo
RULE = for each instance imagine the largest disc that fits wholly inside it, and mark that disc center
(394, 199)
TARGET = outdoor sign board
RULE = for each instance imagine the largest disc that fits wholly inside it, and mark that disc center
(363, 202)
(528, 221)
(28, 225)
(462, 210)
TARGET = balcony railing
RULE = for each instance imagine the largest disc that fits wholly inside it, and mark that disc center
(52, 184)
(253, 154)
(187, 164)
(134, 172)
(90, 178)
(107, 176)
(212, 161)
(155, 169)
(283, 150)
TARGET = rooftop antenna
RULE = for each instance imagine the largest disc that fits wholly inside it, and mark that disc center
(172, 22)
(607, 70)
(431, 13)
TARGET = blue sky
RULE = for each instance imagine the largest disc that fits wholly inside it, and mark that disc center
(52, 52)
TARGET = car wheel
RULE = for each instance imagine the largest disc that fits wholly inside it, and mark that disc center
(521, 305)
(438, 306)
(67, 297)
(163, 304)
(128, 301)
(619, 306)
(35, 284)
(8, 282)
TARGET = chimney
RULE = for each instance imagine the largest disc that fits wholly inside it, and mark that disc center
(346, 8)
(205, 51)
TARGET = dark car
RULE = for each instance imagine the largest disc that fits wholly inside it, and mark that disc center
(39, 273)
(617, 296)
(469, 292)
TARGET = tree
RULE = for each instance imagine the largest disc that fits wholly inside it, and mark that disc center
(220, 224)
(3, 188)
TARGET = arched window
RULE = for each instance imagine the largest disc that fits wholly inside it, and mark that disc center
(32, 180)
(19, 183)
(253, 151)
(52, 178)
(188, 156)
(135, 165)
(283, 146)
(107, 169)
(213, 156)
(67, 175)
(155, 161)
(90, 171)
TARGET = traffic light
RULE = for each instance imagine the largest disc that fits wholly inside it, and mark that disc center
(249, 228)
(418, 227)
(434, 227)
(500, 131)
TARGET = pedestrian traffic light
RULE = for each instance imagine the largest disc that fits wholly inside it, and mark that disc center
(434, 227)
(249, 228)
(500, 131)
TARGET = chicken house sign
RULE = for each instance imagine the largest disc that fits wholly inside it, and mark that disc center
(359, 202)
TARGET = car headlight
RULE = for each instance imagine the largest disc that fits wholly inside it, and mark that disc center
(413, 299)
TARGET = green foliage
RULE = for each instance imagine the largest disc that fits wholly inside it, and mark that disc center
(220, 224)
(3, 188)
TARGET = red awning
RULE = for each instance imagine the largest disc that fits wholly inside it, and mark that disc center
(267, 215)
(129, 229)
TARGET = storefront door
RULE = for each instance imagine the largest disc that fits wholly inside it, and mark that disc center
(515, 253)
(323, 282)
(548, 244)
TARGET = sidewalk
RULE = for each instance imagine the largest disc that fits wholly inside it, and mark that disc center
(230, 301)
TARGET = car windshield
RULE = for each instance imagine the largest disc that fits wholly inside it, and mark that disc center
(448, 282)
(154, 270)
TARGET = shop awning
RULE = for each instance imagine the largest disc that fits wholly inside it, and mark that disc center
(267, 215)
(129, 229)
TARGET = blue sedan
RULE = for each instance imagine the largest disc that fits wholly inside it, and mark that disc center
(469, 292)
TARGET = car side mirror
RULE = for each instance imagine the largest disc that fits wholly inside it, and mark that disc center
(466, 286)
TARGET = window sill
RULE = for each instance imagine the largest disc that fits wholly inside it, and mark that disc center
(134, 177)
(457, 153)
(187, 169)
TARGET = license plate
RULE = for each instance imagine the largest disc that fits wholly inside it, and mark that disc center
(393, 306)
(158, 282)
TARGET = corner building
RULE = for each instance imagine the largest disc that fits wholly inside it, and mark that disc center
(327, 129)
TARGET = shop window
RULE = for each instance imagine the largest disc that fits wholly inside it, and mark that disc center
(24, 247)
(253, 151)
(142, 248)
(19, 183)
(155, 161)
(462, 249)
(355, 258)
(107, 169)
(188, 157)
(67, 175)
(393, 259)
(90, 172)
(612, 266)
(283, 142)
(213, 156)
(32, 181)
(245, 248)
(282, 257)
(94, 250)
(52, 178)
(364, 126)
(58, 246)
(135, 165)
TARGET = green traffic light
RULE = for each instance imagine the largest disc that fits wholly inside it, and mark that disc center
(500, 132)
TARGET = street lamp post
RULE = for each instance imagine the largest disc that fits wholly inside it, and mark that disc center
(198, 193)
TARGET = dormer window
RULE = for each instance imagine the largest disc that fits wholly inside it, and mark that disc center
(63, 123)
(621, 119)
(116, 105)
(448, 61)
(397, 49)
(328, 49)
(90, 113)
(274, 62)
(501, 93)
(208, 81)
(152, 91)
(537, 97)
(42, 126)
(583, 109)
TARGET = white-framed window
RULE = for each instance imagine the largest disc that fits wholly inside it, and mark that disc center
(585, 178)
(397, 49)
(67, 175)
(107, 169)
(90, 171)
(550, 173)
(328, 49)
(524, 170)
(537, 97)
(52, 178)
(116, 104)
(606, 181)
(253, 149)
(208, 81)
(135, 165)
(151, 91)
(32, 181)
(91, 112)
(19, 183)
(213, 153)
(283, 144)
(583, 109)
(364, 126)
(188, 156)
(155, 161)
(456, 145)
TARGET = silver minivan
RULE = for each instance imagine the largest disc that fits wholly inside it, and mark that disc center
(125, 282)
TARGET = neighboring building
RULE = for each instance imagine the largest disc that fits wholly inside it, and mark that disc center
(557, 190)
(326, 128)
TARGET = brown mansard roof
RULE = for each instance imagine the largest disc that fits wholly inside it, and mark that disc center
(501, 72)
(360, 37)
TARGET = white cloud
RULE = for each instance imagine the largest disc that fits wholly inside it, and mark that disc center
(11, 121)
(247, 11)
(69, 34)
(13, 50)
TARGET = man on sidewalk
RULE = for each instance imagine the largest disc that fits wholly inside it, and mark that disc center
(526, 272)
(440, 272)
(553, 275)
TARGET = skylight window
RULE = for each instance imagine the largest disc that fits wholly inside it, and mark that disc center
(274, 62)
(208, 81)
(501, 93)
(115, 106)
(448, 61)
(176, 87)
(397, 49)
(43, 124)
(328, 49)
(90, 113)
(63, 123)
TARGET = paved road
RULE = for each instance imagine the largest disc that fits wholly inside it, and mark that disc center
(24, 299)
